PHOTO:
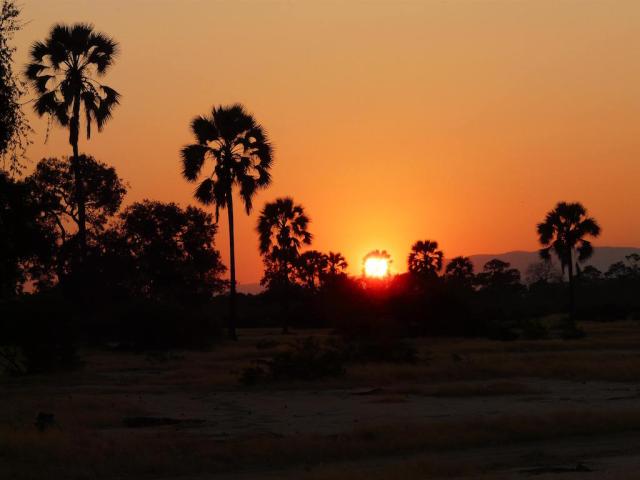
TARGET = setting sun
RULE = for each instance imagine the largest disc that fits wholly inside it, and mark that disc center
(376, 267)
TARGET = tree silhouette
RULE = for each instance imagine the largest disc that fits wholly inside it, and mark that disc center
(163, 252)
(590, 274)
(282, 229)
(24, 239)
(618, 270)
(53, 188)
(542, 273)
(498, 275)
(563, 231)
(14, 127)
(460, 270)
(336, 265)
(64, 71)
(241, 155)
(311, 268)
(425, 260)
(627, 269)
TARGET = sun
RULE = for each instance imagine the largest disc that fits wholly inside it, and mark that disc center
(376, 267)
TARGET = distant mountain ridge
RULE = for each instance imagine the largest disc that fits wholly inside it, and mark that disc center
(602, 258)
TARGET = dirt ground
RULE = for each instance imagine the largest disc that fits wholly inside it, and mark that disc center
(466, 409)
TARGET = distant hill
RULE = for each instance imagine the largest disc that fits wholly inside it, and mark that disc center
(602, 258)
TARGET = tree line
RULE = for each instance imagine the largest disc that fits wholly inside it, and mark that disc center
(65, 231)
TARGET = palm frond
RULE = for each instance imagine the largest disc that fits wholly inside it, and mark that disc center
(205, 192)
(193, 157)
(204, 130)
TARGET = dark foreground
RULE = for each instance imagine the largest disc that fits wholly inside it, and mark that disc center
(466, 408)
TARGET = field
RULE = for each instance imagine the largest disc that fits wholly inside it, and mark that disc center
(465, 409)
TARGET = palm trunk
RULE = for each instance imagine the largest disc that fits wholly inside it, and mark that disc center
(285, 300)
(232, 273)
(74, 133)
(572, 306)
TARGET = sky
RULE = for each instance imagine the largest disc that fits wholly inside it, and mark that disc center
(393, 121)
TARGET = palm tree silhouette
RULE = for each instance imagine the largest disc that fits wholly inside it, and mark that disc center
(282, 229)
(336, 264)
(563, 231)
(311, 268)
(241, 156)
(64, 70)
(425, 259)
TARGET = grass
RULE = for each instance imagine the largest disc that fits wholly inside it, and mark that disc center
(81, 453)
(90, 441)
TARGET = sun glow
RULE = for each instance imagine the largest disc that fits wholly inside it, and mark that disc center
(376, 267)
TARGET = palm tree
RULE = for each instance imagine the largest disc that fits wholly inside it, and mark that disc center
(563, 231)
(336, 265)
(425, 259)
(282, 229)
(240, 155)
(311, 268)
(64, 70)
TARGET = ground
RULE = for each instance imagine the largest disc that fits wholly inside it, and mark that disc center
(467, 409)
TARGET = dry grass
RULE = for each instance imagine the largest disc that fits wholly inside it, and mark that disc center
(503, 387)
(90, 405)
(81, 453)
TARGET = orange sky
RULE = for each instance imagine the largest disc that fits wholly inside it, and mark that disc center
(393, 121)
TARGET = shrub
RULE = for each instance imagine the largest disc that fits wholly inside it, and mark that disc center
(306, 359)
(534, 329)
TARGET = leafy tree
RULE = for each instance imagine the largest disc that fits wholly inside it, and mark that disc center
(590, 274)
(460, 270)
(619, 270)
(542, 273)
(53, 187)
(564, 232)
(283, 230)
(64, 72)
(241, 156)
(425, 260)
(497, 274)
(162, 252)
(633, 261)
(14, 128)
(23, 238)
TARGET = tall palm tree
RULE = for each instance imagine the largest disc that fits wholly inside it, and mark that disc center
(283, 230)
(425, 259)
(241, 156)
(563, 231)
(64, 70)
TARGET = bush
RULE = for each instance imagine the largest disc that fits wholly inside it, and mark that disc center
(307, 359)
(312, 359)
(534, 329)
(380, 349)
